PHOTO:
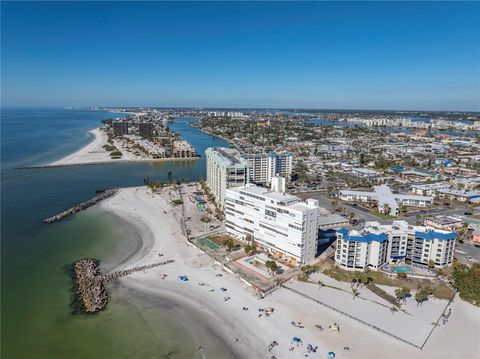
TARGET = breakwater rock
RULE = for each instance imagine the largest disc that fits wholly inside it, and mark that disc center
(90, 283)
(84, 205)
(90, 289)
(122, 273)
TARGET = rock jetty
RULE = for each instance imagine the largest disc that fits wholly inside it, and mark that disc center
(84, 205)
(90, 289)
(122, 273)
(90, 283)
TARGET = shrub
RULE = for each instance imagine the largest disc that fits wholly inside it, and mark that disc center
(467, 282)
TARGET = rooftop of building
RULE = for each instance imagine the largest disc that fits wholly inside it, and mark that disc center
(225, 156)
(383, 192)
(373, 231)
(283, 199)
(332, 219)
(444, 219)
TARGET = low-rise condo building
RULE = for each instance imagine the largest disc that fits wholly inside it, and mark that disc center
(280, 223)
(378, 244)
(447, 223)
(386, 199)
(224, 170)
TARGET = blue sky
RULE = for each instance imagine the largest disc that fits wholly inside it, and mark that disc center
(378, 55)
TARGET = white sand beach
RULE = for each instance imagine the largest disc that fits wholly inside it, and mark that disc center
(94, 154)
(160, 225)
(91, 153)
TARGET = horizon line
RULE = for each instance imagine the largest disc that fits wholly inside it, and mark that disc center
(235, 108)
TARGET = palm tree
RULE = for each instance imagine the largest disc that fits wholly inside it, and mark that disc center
(250, 249)
(307, 270)
(402, 293)
(271, 266)
(229, 243)
(422, 294)
(320, 284)
(355, 293)
(386, 209)
(249, 237)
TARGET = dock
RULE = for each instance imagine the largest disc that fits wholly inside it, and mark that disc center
(82, 206)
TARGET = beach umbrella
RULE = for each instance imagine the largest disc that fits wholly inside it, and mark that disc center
(331, 355)
(297, 340)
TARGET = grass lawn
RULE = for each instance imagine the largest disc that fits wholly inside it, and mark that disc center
(378, 214)
(440, 291)
(218, 239)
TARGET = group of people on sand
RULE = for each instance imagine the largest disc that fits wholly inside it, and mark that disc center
(266, 312)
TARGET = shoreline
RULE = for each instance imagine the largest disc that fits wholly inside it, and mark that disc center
(154, 215)
(229, 141)
(93, 153)
(146, 251)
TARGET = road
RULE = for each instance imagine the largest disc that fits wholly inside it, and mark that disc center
(363, 213)
(326, 202)
(464, 250)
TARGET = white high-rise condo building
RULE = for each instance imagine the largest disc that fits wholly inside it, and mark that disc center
(265, 166)
(279, 222)
(379, 244)
(224, 170)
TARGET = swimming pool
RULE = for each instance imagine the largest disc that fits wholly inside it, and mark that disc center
(401, 269)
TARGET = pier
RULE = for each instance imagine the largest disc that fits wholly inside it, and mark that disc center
(84, 205)
(90, 284)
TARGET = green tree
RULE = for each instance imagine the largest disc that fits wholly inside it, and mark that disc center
(250, 249)
(307, 270)
(205, 219)
(422, 294)
(402, 275)
(467, 282)
(402, 293)
(228, 243)
(271, 266)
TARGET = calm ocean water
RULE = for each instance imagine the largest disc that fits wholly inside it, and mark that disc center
(35, 309)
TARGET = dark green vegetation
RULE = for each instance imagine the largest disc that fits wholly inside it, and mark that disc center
(467, 282)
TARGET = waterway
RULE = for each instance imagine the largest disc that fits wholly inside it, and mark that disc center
(36, 317)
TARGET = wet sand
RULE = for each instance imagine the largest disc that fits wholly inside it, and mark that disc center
(155, 217)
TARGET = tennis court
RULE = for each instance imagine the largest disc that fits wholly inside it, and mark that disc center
(208, 243)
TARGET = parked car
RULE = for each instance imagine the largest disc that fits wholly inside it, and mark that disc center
(468, 213)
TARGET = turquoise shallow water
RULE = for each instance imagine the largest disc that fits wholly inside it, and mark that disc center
(36, 317)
